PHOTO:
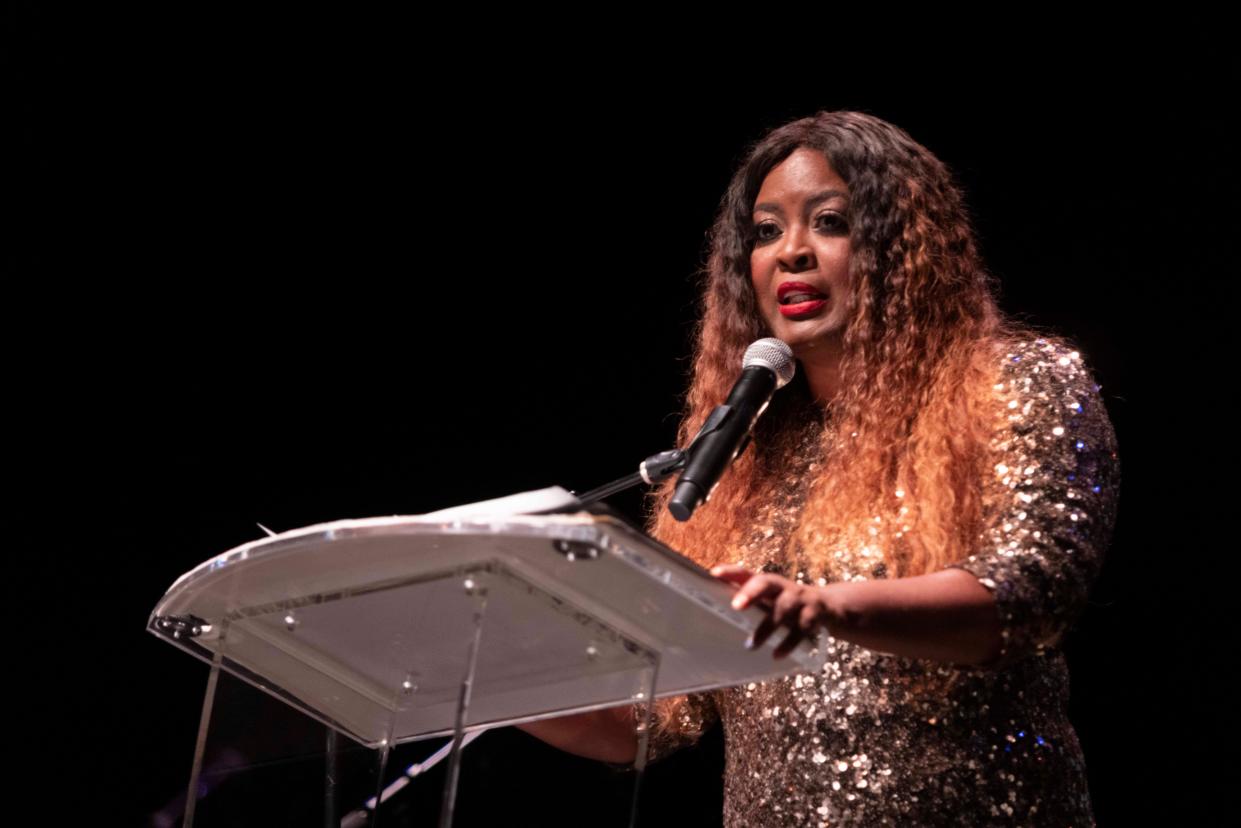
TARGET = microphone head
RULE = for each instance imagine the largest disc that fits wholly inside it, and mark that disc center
(773, 354)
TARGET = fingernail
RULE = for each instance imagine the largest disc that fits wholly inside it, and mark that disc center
(739, 602)
(716, 570)
(749, 643)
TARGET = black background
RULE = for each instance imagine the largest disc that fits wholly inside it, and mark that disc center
(317, 266)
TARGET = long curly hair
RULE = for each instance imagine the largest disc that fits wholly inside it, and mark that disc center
(904, 443)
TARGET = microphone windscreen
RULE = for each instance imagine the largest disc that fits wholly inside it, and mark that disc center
(774, 354)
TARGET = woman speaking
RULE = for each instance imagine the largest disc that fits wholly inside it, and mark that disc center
(932, 496)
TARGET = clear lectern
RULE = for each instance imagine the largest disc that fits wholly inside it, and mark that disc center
(396, 629)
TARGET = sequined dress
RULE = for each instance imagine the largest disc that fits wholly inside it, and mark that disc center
(876, 739)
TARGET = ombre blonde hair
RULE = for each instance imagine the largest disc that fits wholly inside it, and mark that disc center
(912, 422)
(905, 444)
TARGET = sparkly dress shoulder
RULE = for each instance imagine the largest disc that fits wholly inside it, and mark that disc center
(875, 739)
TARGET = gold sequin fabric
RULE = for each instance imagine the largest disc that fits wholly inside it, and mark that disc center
(875, 739)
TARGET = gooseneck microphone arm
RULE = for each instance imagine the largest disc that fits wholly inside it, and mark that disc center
(653, 469)
(768, 365)
(656, 468)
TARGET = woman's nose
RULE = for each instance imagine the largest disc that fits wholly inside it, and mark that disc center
(795, 251)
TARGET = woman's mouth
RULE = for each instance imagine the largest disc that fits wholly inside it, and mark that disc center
(799, 308)
(799, 300)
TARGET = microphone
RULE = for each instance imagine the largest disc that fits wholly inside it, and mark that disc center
(768, 365)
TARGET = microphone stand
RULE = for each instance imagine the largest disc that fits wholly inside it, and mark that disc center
(663, 465)
(653, 469)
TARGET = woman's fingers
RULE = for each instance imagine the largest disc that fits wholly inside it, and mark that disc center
(810, 617)
(763, 585)
(761, 633)
(789, 643)
(733, 573)
(764, 630)
(789, 606)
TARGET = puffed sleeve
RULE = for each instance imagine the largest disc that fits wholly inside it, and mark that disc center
(679, 722)
(1051, 503)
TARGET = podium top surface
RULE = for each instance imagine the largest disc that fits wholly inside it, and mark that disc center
(366, 623)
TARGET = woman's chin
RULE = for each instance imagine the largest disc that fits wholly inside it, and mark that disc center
(811, 342)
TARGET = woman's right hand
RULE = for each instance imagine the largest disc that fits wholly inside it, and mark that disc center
(804, 609)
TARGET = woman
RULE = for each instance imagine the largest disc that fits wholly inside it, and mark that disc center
(935, 490)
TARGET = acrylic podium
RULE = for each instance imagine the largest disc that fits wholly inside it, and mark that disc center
(396, 629)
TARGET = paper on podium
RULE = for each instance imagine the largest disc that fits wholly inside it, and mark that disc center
(536, 501)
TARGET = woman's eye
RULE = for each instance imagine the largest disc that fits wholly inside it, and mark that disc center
(831, 221)
(766, 231)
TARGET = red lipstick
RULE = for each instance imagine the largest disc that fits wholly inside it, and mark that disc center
(807, 300)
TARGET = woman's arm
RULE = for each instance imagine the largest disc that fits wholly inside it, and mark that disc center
(608, 735)
(1054, 494)
(1054, 490)
(944, 616)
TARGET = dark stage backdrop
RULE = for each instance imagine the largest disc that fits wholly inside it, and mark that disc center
(293, 270)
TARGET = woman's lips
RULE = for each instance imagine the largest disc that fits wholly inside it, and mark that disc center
(806, 300)
(802, 309)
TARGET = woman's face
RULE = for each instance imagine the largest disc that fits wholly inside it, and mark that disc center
(800, 262)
